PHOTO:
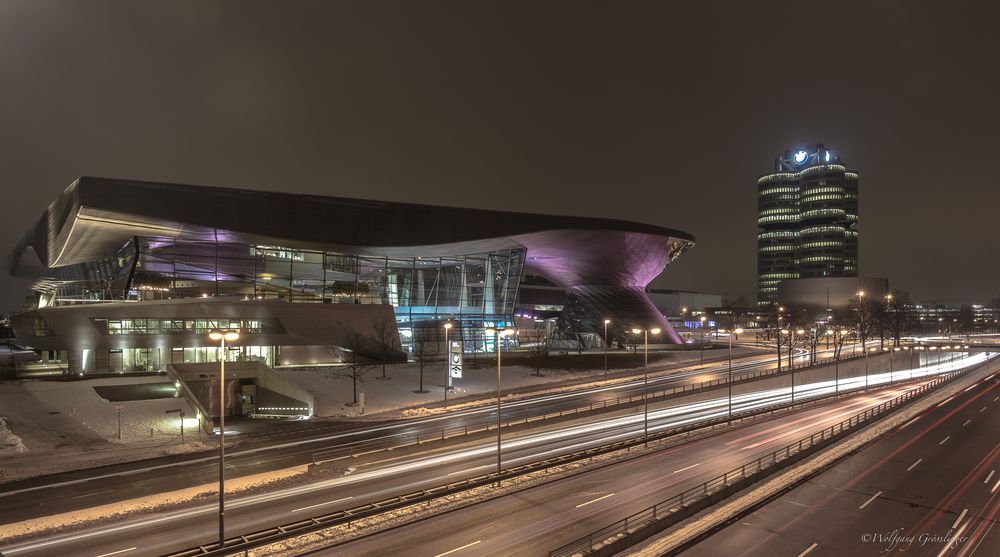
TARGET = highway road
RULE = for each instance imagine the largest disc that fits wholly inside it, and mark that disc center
(46, 495)
(933, 481)
(642, 482)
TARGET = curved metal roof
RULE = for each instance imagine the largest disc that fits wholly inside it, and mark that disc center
(94, 217)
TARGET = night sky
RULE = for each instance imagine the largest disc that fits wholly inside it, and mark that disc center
(658, 112)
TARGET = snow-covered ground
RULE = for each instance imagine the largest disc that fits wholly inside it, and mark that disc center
(9, 443)
(52, 426)
(333, 392)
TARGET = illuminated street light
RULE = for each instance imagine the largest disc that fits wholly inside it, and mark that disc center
(221, 337)
(736, 331)
(645, 379)
(447, 363)
(499, 333)
(606, 321)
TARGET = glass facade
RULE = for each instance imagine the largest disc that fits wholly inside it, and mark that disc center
(474, 291)
(807, 213)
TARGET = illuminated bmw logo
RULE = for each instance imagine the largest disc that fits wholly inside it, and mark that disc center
(800, 157)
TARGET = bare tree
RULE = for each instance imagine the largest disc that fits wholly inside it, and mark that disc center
(424, 351)
(899, 317)
(356, 364)
(386, 337)
(539, 354)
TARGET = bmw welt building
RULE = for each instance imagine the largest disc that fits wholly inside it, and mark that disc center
(131, 276)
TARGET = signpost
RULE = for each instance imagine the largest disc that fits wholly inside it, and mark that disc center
(179, 411)
(455, 360)
(118, 410)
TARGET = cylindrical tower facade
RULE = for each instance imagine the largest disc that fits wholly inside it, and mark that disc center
(807, 215)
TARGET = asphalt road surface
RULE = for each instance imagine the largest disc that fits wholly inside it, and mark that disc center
(930, 488)
(82, 489)
(528, 523)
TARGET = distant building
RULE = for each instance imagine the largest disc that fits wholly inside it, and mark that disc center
(829, 293)
(807, 212)
(132, 276)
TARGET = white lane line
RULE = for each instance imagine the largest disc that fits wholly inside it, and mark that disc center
(987, 480)
(967, 422)
(996, 399)
(808, 549)
(872, 498)
(945, 440)
(594, 500)
(909, 422)
(914, 465)
(94, 493)
(970, 387)
(959, 519)
(995, 486)
(687, 468)
(983, 409)
(117, 552)
(945, 401)
(450, 551)
(956, 537)
(322, 504)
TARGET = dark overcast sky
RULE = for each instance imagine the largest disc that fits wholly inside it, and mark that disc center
(659, 112)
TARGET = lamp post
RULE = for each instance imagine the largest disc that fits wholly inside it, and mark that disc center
(645, 380)
(792, 367)
(736, 331)
(222, 337)
(499, 333)
(836, 360)
(447, 363)
(703, 319)
(606, 321)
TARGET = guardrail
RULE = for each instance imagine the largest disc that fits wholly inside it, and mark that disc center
(683, 505)
(347, 516)
(399, 441)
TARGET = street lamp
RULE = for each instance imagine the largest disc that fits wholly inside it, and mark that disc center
(703, 319)
(645, 379)
(499, 333)
(221, 337)
(447, 363)
(791, 347)
(736, 331)
(838, 346)
(606, 321)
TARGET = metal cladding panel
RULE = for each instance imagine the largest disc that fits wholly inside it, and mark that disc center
(73, 327)
(95, 216)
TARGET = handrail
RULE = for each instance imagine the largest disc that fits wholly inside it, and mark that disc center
(346, 516)
(664, 510)
(359, 448)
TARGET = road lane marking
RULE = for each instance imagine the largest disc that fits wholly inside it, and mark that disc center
(967, 422)
(466, 546)
(322, 504)
(945, 440)
(987, 480)
(955, 538)
(872, 498)
(945, 401)
(982, 409)
(594, 500)
(808, 549)
(687, 468)
(117, 552)
(996, 399)
(959, 519)
(94, 493)
(914, 465)
(910, 422)
(970, 387)
(995, 486)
